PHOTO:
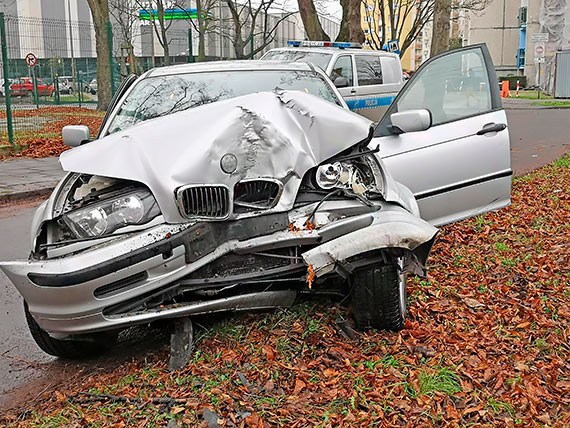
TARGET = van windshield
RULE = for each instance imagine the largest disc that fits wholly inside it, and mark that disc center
(318, 58)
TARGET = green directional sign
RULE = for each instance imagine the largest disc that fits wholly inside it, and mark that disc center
(148, 15)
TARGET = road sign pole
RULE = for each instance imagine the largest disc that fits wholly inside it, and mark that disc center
(9, 123)
(539, 80)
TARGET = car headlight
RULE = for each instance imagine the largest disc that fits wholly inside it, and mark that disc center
(359, 176)
(103, 218)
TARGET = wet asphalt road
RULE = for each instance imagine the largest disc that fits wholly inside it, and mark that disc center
(537, 138)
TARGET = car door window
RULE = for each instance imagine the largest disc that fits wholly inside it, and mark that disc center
(453, 88)
(343, 68)
(369, 70)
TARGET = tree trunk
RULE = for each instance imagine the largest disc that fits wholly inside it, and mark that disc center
(350, 26)
(100, 14)
(440, 34)
(311, 21)
(344, 33)
(163, 39)
(201, 38)
(354, 22)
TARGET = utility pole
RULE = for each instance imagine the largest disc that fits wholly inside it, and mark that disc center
(220, 30)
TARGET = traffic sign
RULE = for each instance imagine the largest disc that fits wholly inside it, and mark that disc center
(394, 46)
(539, 37)
(539, 49)
(539, 60)
(31, 60)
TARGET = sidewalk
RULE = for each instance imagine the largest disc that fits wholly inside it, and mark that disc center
(27, 178)
(526, 104)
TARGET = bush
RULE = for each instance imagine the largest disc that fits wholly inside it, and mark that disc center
(513, 81)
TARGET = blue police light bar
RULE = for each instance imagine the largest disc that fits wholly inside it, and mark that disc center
(323, 44)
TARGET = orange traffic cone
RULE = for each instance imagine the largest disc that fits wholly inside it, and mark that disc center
(505, 89)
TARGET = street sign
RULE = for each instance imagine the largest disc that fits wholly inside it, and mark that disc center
(539, 37)
(539, 60)
(539, 49)
(31, 60)
(394, 46)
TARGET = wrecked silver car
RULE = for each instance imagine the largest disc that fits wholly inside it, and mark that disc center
(243, 204)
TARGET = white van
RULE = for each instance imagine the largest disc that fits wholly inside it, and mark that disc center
(368, 80)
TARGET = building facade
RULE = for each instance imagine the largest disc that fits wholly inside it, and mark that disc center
(508, 26)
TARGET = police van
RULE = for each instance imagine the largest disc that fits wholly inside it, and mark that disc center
(368, 80)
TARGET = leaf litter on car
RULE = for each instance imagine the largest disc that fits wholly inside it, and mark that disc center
(486, 344)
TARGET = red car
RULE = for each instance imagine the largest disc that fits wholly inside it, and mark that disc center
(25, 86)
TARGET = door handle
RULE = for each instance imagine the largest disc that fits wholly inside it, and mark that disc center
(492, 127)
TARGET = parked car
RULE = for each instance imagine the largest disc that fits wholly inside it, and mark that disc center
(66, 84)
(24, 86)
(202, 194)
(92, 87)
(368, 80)
(2, 88)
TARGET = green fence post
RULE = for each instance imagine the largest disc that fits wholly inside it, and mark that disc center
(78, 85)
(9, 123)
(111, 65)
(190, 53)
(56, 81)
(251, 45)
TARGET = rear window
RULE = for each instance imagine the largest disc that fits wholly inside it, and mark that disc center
(162, 95)
(319, 59)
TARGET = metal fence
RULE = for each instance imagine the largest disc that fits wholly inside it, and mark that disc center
(64, 72)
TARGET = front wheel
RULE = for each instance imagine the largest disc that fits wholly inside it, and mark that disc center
(379, 297)
(69, 349)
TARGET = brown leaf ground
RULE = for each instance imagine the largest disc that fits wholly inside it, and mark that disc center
(45, 140)
(486, 345)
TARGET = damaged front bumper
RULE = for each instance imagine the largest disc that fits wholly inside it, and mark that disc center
(105, 287)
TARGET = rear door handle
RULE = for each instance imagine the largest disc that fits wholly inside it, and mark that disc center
(492, 127)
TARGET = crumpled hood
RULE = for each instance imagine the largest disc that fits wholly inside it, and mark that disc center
(273, 135)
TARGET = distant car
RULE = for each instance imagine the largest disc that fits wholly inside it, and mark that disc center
(368, 80)
(66, 84)
(24, 86)
(2, 89)
(91, 87)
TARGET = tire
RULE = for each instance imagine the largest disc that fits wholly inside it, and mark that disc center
(379, 297)
(68, 349)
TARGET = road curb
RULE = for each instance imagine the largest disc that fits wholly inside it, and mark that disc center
(24, 196)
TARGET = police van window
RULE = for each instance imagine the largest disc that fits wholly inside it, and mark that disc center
(369, 70)
(343, 68)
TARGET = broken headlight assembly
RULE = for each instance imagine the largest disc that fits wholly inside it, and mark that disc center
(359, 175)
(106, 216)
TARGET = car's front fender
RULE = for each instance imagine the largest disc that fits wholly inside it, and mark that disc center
(392, 227)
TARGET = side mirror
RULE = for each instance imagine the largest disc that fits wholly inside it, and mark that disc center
(341, 82)
(410, 121)
(75, 135)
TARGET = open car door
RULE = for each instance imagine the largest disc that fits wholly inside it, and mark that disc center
(456, 158)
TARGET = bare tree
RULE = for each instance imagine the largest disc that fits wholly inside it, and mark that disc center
(311, 22)
(256, 21)
(159, 24)
(125, 14)
(397, 20)
(442, 18)
(100, 14)
(440, 34)
(350, 26)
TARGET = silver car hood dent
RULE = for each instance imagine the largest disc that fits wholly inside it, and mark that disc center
(274, 135)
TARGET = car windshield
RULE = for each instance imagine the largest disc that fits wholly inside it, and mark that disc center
(162, 95)
(319, 59)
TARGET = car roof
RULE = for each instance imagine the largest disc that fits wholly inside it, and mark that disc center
(333, 50)
(241, 65)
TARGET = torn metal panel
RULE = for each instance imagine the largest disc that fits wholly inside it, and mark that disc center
(392, 227)
(271, 135)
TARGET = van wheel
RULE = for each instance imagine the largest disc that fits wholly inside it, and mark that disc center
(68, 349)
(379, 297)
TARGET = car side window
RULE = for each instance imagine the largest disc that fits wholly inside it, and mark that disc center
(369, 70)
(343, 68)
(453, 87)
